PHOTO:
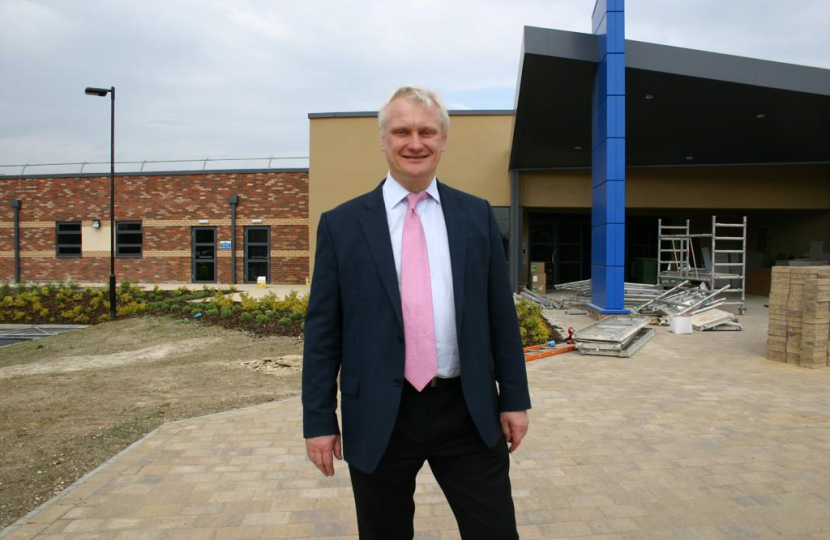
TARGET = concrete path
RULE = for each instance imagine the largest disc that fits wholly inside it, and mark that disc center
(695, 437)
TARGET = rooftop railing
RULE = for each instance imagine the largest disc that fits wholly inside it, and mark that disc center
(177, 164)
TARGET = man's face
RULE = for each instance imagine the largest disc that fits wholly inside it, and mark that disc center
(412, 142)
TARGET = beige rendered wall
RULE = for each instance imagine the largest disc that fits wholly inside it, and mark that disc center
(95, 240)
(746, 187)
(346, 161)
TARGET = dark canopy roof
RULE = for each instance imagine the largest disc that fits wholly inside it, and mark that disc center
(703, 105)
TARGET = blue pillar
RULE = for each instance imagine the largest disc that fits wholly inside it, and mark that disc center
(608, 161)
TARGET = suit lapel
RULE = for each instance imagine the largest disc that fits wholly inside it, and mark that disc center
(376, 231)
(457, 238)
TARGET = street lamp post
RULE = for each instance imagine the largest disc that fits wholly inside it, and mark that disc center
(102, 92)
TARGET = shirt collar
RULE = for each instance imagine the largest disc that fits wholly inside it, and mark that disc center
(394, 193)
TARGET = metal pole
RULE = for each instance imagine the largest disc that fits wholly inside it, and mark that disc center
(16, 205)
(515, 240)
(234, 200)
(112, 204)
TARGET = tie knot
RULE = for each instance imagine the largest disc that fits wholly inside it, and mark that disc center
(414, 198)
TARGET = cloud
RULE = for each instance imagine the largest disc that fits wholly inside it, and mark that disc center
(211, 78)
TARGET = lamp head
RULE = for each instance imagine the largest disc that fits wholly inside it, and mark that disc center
(100, 92)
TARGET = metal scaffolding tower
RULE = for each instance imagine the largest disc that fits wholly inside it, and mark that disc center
(726, 245)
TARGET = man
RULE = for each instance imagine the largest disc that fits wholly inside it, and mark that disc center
(411, 304)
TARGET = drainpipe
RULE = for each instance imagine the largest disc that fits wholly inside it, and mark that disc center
(234, 200)
(15, 203)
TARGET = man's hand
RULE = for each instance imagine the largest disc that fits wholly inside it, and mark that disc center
(320, 450)
(514, 426)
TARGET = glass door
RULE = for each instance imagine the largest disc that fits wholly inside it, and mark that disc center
(257, 254)
(204, 254)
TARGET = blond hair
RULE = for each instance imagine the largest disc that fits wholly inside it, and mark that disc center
(416, 94)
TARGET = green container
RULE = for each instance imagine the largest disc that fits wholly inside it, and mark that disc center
(644, 270)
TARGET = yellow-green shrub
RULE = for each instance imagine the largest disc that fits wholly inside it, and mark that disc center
(531, 323)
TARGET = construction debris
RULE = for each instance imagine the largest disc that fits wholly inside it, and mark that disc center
(635, 293)
(542, 301)
(715, 319)
(682, 299)
(614, 336)
(682, 302)
(275, 365)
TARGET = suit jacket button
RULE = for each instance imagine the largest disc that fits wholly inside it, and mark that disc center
(400, 338)
(397, 382)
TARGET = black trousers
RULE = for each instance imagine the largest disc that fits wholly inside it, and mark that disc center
(435, 426)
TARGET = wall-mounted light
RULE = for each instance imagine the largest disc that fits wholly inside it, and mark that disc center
(203, 221)
(649, 96)
(760, 116)
(256, 221)
(96, 224)
(689, 158)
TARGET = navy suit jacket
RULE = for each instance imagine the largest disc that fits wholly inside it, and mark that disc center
(354, 325)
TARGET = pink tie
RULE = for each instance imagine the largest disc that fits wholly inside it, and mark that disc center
(416, 299)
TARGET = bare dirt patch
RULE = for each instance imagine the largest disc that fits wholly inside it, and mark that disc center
(69, 402)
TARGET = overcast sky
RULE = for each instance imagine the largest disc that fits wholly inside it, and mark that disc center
(237, 79)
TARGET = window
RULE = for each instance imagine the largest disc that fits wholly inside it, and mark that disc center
(68, 239)
(128, 239)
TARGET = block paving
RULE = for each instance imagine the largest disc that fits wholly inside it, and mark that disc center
(697, 437)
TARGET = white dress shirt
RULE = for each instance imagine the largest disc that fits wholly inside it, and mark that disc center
(440, 267)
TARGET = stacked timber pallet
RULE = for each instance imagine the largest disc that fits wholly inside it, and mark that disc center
(799, 316)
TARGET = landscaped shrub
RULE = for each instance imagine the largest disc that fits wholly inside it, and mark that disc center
(531, 323)
(248, 303)
(70, 304)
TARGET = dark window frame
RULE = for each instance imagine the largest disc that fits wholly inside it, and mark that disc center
(119, 244)
(59, 245)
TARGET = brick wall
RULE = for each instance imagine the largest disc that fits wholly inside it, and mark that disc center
(169, 205)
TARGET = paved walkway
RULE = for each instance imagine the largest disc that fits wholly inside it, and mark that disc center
(696, 437)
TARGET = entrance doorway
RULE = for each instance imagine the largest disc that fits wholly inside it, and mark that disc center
(563, 242)
(257, 254)
(204, 254)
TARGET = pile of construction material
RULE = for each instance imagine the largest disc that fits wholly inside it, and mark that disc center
(700, 304)
(682, 300)
(799, 316)
(542, 301)
(635, 293)
(618, 335)
(715, 319)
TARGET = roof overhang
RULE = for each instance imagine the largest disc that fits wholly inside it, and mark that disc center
(705, 108)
